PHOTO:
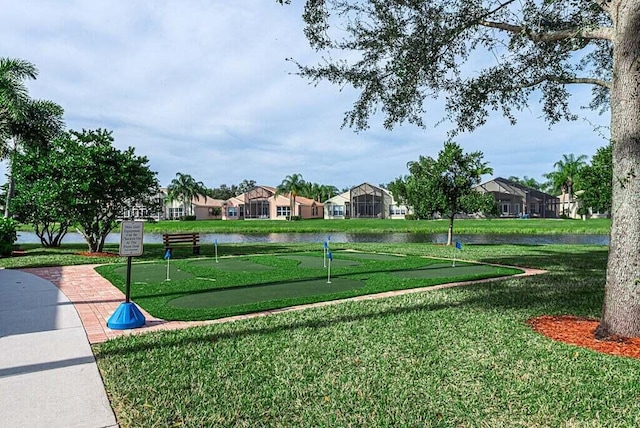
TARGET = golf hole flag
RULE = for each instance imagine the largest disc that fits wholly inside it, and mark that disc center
(167, 256)
(330, 257)
(458, 248)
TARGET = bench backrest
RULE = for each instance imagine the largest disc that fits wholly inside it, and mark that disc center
(176, 238)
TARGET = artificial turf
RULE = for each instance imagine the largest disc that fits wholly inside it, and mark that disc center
(149, 273)
(232, 265)
(264, 292)
(206, 288)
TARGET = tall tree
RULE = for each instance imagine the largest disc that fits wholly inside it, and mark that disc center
(526, 181)
(184, 188)
(46, 187)
(107, 182)
(23, 120)
(445, 185)
(327, 191)
(567, 170)
(13, 94)
(595, 181)
(399, 53)
(39, 122)
(245, 186)
(292, 184)
(563, 178)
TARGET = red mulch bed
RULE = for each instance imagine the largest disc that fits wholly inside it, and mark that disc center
(88, 254)
(580, 331)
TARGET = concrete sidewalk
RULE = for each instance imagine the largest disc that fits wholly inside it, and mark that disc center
(48, 375)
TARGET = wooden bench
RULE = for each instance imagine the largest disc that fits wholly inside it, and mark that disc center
(172, 239)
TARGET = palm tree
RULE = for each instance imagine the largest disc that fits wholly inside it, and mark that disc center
(184, 188)
(292, 184)
(563, 178)
(27, 121)
(327, 191)
(13, 91)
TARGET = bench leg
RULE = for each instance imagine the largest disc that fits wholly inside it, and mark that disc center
(196, 250)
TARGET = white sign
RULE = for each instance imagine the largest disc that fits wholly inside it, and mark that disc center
(131, 233)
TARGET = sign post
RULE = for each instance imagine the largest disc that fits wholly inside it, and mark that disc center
(127, 315)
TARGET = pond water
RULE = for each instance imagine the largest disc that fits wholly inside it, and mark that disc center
(398, 238)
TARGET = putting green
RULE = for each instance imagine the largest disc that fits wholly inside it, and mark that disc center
(445, 270)
(310, 262)
(264, 292)
(368, 256)
(152, 273)
(232, 265)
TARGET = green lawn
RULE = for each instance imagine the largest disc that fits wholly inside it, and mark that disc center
(461, 357)
(203, 288)
(529, 226)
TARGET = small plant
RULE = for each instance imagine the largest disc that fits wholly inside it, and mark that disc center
(8, 236)
(188, 218)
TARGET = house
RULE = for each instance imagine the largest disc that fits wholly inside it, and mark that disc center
(203, 208)
(516, 200)
(364, 201)
(264, 202)
(153, 209)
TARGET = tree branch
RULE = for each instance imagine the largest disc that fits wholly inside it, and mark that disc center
(600, 33)
(570, 80)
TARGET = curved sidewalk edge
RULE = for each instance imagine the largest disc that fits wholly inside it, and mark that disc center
(48, 374)
(95, 299)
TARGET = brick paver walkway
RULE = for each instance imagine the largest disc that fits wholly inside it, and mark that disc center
(96, 299)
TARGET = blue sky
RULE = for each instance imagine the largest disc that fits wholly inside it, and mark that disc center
(203, 88)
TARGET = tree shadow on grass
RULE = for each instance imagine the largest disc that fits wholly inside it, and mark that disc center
(530, 296)
(212, 337)
(545, 257)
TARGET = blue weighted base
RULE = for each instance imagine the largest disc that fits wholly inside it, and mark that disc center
(125, 317)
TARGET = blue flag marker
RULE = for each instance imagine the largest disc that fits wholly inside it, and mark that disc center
(458, 247)
(167, 256)
(329, 255)
(215, 241)
(326, 245)
(328, 237)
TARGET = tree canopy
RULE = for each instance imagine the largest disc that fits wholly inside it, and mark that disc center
(184, 188)
(445, 185)
(46, 186)
(23, 121)
(292, 184)
(595, 181)
(566, 172)
(401, 53)
(109, 181)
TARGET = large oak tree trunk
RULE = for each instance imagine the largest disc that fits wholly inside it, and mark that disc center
(621, 309)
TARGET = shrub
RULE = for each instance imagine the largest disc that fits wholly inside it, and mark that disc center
(410, 217)
(8, 236)
(188, 218)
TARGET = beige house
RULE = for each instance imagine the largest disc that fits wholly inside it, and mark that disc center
(263, 202)
(365, 201)
(203, 208)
